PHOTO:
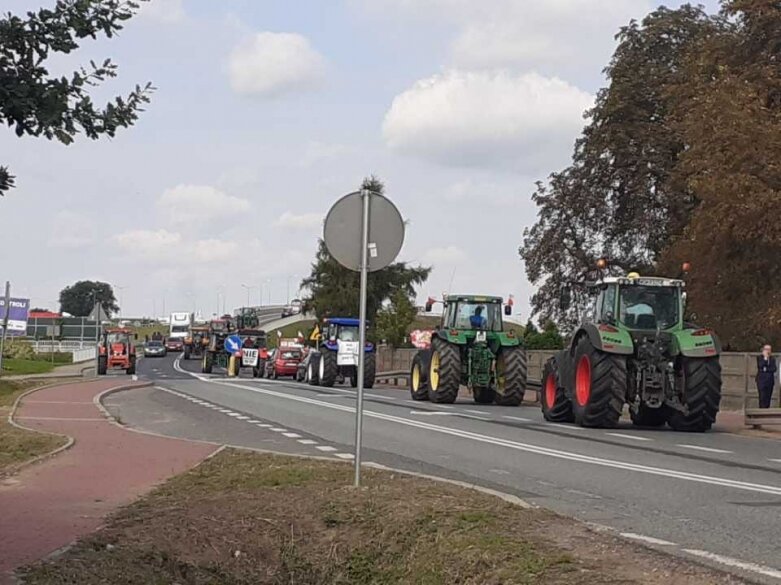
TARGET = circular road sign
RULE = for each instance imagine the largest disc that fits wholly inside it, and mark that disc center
(342, 233)
(232, 343)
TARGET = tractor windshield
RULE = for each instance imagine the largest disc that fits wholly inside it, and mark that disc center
(112, 338)
(348, 333)
(649, 307)
(483, 316)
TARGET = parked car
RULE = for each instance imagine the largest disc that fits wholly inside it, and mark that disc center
(154, 349)
(293, 308)
(174, 344)
(285, 362)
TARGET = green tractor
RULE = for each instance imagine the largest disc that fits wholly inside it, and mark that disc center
(636, 349)
(470, 348)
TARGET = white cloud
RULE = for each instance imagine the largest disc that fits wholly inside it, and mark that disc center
(299, 221)
(70, 230)
(271, 64)
(210, 251)
(199, 204)
(448, 255)
(524, 122)
(165, 11)
(149, 244)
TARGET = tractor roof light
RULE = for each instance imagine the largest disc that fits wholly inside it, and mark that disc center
(602, 263)
(686, 267)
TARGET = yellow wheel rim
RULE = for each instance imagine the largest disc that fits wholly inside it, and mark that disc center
(501, 379)
(416, 377)
(433, 375)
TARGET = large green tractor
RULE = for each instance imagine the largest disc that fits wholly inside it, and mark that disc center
(636, 349)
(470, 348)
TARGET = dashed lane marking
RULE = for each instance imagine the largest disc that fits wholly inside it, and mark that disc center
(278, 430)
(326, 448)
(647, 539)
(307, 442)
(233, 414)
(291, 435)
(775, 460)
(264, 425)
(242, 417)
(344, 455)
(253, 421)
(630, 437)
(699, 448)
(480, 412)
(517, 418)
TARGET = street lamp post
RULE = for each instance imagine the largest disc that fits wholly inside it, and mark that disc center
(121, 298)
(244, 286)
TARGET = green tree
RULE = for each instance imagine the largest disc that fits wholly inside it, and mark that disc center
(394, 320)
(79, 298)
(619, 197)
(35, 103)
(548, 338)
(335, 290)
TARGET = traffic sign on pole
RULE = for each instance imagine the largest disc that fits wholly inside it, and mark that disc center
(364, 232)
(232, 343)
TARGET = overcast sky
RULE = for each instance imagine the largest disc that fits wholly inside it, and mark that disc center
(267, 111)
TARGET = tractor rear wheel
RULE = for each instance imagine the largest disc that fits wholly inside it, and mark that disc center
(483, 394)
(444, 377)
(369, 370)
(207, 364)
(102, 365)
(599, 386)
(701, 381)
(556, 407)
(418, 378)
(510, 376)
(186, 352)
(649, 417)
(328, 369)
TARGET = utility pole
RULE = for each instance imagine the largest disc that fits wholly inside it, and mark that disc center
(5, 322)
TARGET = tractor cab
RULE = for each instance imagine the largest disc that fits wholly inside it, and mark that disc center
(338, 357)
(117, 351)
(472, 313)
(640, 303)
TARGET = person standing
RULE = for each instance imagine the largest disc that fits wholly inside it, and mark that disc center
(766, 376)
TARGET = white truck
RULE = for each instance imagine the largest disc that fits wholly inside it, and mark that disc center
(178, 329)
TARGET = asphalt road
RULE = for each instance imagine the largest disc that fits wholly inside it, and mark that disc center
(713, 497)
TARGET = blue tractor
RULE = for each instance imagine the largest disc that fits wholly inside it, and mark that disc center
(336, 361)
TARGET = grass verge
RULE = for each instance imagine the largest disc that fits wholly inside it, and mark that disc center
(17, 367)
(18, 445)
(244, 518)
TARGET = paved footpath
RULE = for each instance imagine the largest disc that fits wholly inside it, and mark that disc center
(50, 504)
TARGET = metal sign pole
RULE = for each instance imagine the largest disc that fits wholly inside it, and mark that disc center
(5, 322)
(366, 199)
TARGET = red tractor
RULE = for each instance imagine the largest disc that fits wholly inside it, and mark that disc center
(117, 352)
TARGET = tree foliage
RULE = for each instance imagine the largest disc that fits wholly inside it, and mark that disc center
(617, 199)
(335, 290)
(79, 298)
(35, 103)
(727, 108)
(393, 321)
(548, 338)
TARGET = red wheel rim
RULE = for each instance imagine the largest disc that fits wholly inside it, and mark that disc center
(583, 381)
(550, 391)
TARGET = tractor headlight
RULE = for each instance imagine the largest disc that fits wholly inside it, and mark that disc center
(480, 337)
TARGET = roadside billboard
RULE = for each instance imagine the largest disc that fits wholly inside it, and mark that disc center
(17, 315)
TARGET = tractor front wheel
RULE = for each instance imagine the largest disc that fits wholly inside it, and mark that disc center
(328, 369)
(102, 365)
(131, 369)
(311, 375)
(418, 378)
(207, 364)
(556, 407)
(186, 352)
(369, 370)
(444, 376)
(510, 376)
(600, 386)
(701, 384)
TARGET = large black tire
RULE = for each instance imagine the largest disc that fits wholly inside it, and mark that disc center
(556, 406)
(207, 364)
(187, 352)
(599, 386)
(701, 383)
(483, 395)
(102, 365)
(369, 370)
(311, 374)
(328, 370)
(649, 417)
(131, 370)
(444, 378)
(510, 376)
(418, 378)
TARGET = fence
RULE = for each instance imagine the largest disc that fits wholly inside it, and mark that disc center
(84, 355)
(738, 372)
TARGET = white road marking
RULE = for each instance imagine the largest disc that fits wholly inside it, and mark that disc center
(264, 426)
(775, 460)
(648, 539)
(568, 427)
(242, 417)
(518, 418)
(331, 395)
(630, 437)
(226, 411)
(253, 422)
(278, 430)
(233, 414)
(326, 448)
(735, 563)
(480, 412)
(433, 413)
(344, 455)
(307, 442)
(529, 448)
(291, 435)
(707, 449)
(499, 471)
